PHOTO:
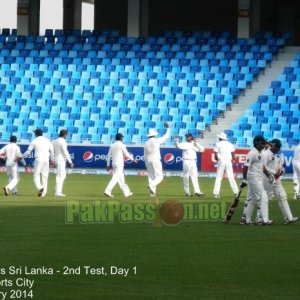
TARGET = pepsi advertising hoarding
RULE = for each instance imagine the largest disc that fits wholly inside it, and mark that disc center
(95, 157)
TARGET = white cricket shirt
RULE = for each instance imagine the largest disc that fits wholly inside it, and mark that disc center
(12, 151)
(152, 147)
(190, 149)
(42, 147)
(118, 153)
(61, 152)
(224, 150)
(254, 164)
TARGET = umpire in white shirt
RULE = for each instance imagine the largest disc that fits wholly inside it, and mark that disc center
(43, 151)
(62, 156)
(153, 158)
(189, 161)
(118, 153)
(224, 155)
(13, 154)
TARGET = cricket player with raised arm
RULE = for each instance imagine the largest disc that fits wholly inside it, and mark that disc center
(253, 176)
(43, 151)
(296, 171)
(274, 167)
(117, 154)
(152, 158)
(224, 155)
(13, 154)
(61, 155)
(189, 164)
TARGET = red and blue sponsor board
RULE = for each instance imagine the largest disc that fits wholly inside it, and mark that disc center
(209, 164)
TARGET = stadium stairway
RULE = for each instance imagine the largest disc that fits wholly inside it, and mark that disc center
(251, 94)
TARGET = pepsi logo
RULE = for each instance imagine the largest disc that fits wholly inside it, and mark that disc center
(169, 158)
(88, 156)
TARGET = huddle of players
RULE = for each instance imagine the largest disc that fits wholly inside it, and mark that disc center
(262, 173)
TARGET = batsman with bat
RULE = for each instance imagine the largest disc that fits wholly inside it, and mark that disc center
(253, 176)
(273, 167)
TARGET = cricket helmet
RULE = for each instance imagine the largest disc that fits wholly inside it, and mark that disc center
(259, 141)
(276, 143)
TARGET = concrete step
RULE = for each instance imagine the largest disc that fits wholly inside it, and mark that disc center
(251, 94)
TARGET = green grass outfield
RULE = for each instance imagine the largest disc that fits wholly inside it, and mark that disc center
(191, 260)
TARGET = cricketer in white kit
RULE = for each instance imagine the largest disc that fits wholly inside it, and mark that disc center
(189, 164)
(43, 151)
(13, 154)
(273, 169)
(296, 171)
(61, 156)
(253, 176)
(117, 154)
(224, 155)
(152, 158)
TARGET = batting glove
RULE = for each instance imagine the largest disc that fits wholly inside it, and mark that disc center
(243, 184)
(271, 178)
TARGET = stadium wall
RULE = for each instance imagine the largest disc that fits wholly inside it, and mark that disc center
(94, 156)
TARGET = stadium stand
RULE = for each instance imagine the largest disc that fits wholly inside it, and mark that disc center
(93, 83)
(276, 112)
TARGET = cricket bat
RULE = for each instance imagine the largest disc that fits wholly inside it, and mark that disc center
(235, 203)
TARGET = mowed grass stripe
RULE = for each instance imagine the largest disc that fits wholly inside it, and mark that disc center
(192, 260)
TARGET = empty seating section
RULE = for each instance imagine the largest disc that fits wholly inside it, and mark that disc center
(95, 83)
(276, 114)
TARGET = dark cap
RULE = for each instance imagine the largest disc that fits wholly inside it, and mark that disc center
(188, 135)
(259, 140)
(38, 132)
(63, 132)
(276, 143)
(13, 139)
(119, 136)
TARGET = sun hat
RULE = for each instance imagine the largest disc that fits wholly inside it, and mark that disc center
(152, 132)
(222, 136)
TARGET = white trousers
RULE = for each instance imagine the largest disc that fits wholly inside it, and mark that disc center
(155, 173)
(190, 171)
(60, 176)
(222, 167)
(256, 196)
(278, 190)
(296, 176)
(40, 174)
(13, 178)
(118, 177)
